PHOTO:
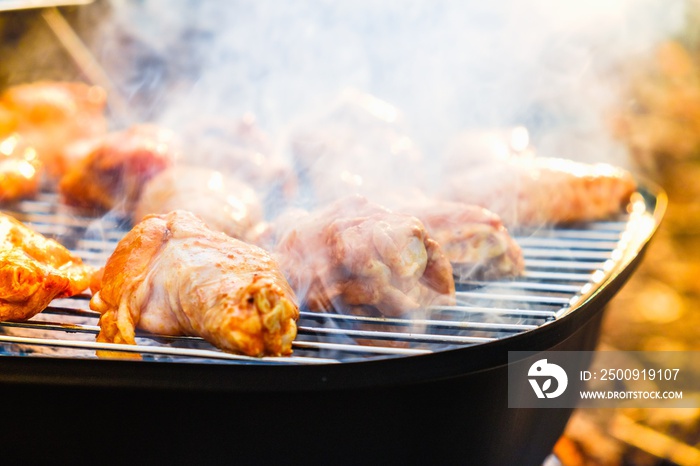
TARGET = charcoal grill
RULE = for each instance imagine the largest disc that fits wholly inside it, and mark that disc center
(428, 390)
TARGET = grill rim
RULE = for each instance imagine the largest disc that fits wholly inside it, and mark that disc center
(351, 375)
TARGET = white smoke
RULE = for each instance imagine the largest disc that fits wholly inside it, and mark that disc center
(447, 65)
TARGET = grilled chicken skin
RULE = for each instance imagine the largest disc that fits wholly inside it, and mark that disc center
(116, 167)
(20, 169)
(172, 275)
(473, 239)
(241, 149)
(535, 191)
(34, 270)
(355, 253)
(51, 115)
(223, 202)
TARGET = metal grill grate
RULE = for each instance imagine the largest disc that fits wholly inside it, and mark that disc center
(563, 266)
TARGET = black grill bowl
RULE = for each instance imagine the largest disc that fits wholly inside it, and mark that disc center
(447, 407)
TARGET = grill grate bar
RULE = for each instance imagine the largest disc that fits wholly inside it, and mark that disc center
(573, 234)
(563, 243)
(49, 230)
(359, 349)
(186, 353)
(72, 304)
(573, 265)
(394, 336)
(495, 311)
(105, 239)
(418, 323)
(495, 297)
(566, 253)
(519, 285)
(47, 325)
(34, 207)
(609, 225)
(64, 221)
(580, 278)
(69, 311)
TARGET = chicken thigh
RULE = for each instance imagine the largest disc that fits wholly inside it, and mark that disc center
(536, 191)
(223, 202)
(172, 275)
(51, 115)
(114, 171)
(474, 239)
(356, 253)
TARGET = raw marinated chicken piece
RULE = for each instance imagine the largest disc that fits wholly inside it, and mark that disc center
(96, 280)
(357, 149)
(355, 254)
(239, 148)
(20, 169)
(224, 203)
(50, 115)
(34, 270)
(172, 275)
(114, 172)
(8, 121)
(267, 234)
(342, 161)
(534, 191)
(473, 239)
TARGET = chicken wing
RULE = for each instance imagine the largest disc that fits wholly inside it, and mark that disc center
(354, 253)
(537, 190)
(53, 114)
(114, 172)
(34, 270)
(474, 239)
(224, 203)
(172, 275)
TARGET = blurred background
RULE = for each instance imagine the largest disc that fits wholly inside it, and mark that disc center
(614, 81)
(657, 309)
